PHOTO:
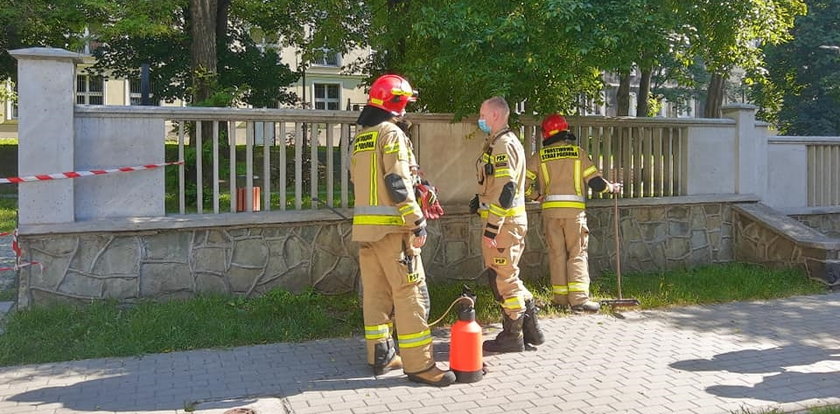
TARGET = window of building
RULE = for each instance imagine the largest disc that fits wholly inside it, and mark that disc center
(327, 57)
(135, 94)
(134, 91)
(263, 40)
(90, 90)
(326, 96)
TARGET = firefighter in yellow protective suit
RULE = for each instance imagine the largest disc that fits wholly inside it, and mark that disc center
(501, 204)
(562, 171)
(390, 228)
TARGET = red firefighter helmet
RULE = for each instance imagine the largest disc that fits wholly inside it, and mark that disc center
(553, 124)
(391, 93)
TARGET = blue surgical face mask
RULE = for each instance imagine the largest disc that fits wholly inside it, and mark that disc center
(482, 125)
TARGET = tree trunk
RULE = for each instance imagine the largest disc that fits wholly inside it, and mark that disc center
(623, 95)
(644, 93)
(203, 16)
(714, 97)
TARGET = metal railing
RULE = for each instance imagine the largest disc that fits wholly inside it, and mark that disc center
(279, 159)
(643, 154)
(292, 160)
(824, 173)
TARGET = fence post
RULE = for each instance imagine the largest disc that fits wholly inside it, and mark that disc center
(750, 150)
(45, 132)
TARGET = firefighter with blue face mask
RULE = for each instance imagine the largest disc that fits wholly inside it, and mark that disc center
(390, 228)
(501, 205)
(559, 176)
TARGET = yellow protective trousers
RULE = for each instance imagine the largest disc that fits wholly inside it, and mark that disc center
(568, 239)
(392, 286)
(504, 260)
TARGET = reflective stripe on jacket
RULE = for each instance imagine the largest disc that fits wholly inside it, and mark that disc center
(377, 152)
(560, 173)
(501, 164)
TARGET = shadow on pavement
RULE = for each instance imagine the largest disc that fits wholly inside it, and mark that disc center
(757, 361)
(180, 380)
(810, 385)
(787, 320)
(780, 360)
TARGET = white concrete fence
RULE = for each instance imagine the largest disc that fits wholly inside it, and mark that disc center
(654, 157)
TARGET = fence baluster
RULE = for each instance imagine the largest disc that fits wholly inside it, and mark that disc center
(182, 202)
(268, 141)
(298, 164)
(249, 165)
(314, 132)
(232, 164)
(199, 172)
(216, 167)
(281, 164)
(656, 140)
(345, 145)
(330, 167)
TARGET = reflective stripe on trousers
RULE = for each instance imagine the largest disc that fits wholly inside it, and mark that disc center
(416, 339)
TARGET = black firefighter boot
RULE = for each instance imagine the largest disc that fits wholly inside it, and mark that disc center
(510, 339)
(530, 326)
(385, 358)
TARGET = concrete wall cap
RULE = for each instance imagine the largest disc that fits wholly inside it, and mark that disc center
(48, 53)
(738, 107)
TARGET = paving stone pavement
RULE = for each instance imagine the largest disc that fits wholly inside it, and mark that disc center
(756, 356)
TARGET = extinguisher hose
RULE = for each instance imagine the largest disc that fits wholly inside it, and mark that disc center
(458, 299)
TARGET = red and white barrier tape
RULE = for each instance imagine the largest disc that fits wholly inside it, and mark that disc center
(61, 176)
(18, 254)
(77, 174)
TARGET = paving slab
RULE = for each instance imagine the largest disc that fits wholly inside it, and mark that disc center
(757, 356)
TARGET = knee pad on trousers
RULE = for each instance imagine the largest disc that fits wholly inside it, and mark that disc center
(491, 280)
(383, 352)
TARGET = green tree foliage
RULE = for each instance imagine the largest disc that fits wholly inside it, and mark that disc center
(55, 23)
(460, 52)
(160, 33)
(726, 34)
(549, 53)
(129, 33)
(801, 94)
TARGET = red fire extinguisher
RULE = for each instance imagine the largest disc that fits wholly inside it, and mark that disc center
(465, 344)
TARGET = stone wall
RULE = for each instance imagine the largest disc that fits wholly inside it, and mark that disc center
(826, 223)
(768, 237)
(252, 258)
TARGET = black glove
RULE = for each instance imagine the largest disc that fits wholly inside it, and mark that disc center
(474, 205)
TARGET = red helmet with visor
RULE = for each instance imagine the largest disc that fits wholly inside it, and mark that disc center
(552, 125)
(391, 93)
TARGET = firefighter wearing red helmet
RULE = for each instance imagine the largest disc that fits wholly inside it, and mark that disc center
(501, 205)
(558, 176)
(390, 228)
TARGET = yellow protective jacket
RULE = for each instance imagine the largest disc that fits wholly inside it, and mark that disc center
(384, 194)
(561, 172)
(501, 175)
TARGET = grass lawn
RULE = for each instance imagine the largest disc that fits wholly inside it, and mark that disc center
(106, 329)
(830, 409)
(8, 214)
